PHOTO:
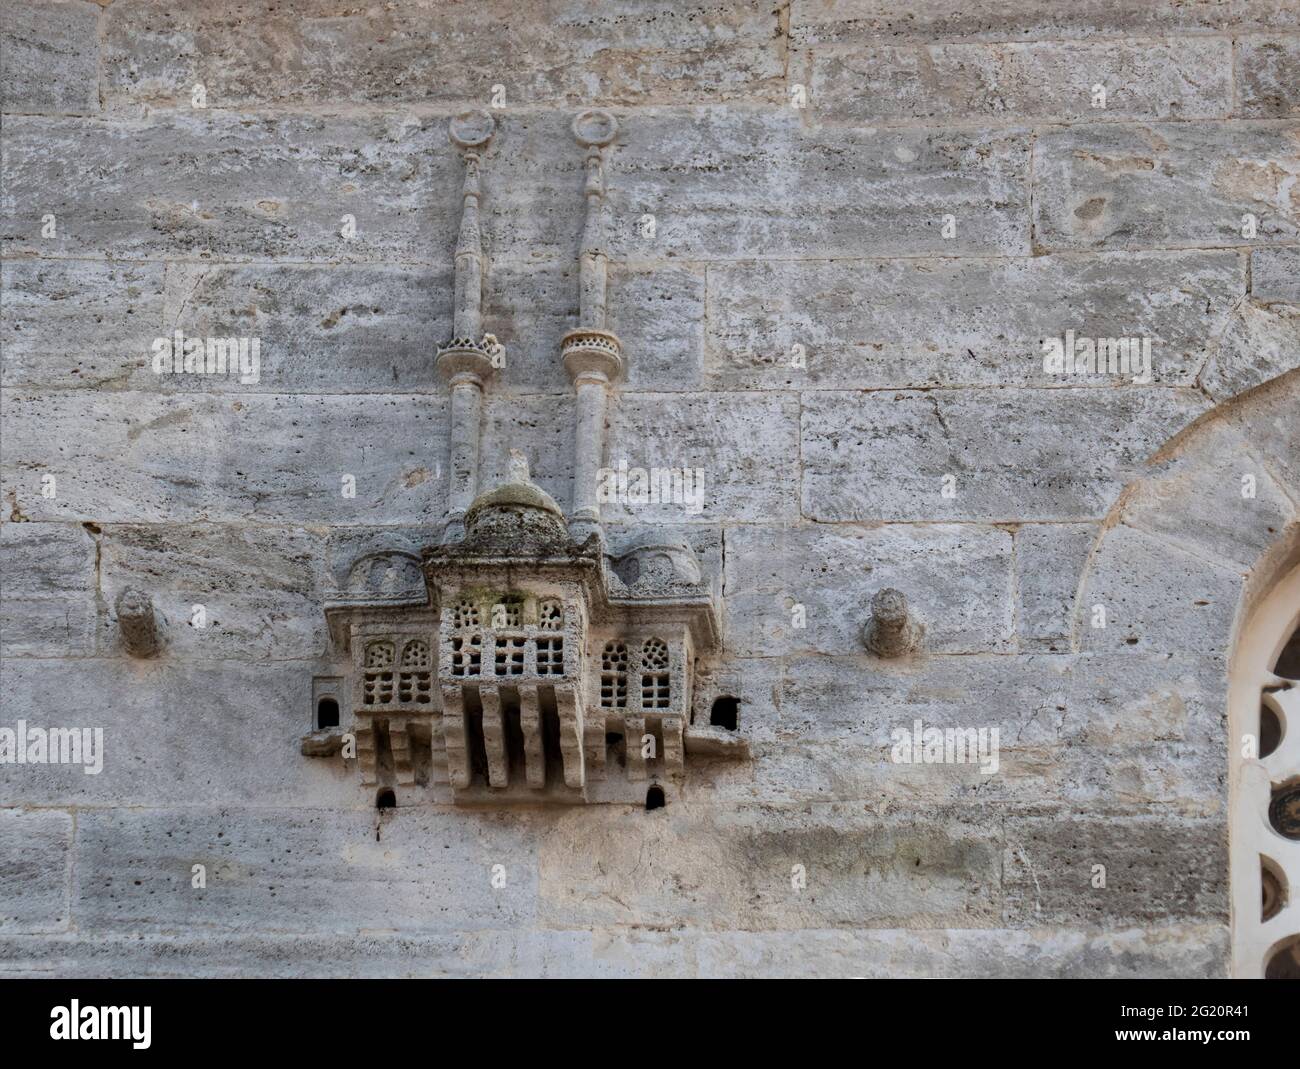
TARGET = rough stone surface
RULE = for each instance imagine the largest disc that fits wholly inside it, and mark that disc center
(837, 234)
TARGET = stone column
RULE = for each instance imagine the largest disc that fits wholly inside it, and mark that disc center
(468, 360)
(593, 356)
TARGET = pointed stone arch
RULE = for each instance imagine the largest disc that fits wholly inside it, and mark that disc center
(1200, 556)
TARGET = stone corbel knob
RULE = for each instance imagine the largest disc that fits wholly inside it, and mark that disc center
(136, 620)
(892, 631)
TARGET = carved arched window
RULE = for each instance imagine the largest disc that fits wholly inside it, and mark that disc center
(377, 684)
(654, 674)
(613, 676)
(414, 681)
(550, 615)
(1264, 711)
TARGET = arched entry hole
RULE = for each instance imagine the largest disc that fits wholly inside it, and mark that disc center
(654, 798)
(1288, 661)
(725, 712)
(1271, 725)
(1273, 883)
(1284, 960)
(327, 713)
(1284, 809)
(386, 799)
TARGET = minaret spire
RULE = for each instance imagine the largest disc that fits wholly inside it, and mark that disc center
(592, 355)
(468, 360)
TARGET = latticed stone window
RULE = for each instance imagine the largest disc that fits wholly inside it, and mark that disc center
(415, 681)
(510, 655)
(378, 682)
(550, 615)
(550, 656)
(467, 655)
(613, 676)
(465, 615)
(654, 675)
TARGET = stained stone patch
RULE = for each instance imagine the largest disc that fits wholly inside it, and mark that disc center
(1166, 186)
(1268, 77)
(1153, 867)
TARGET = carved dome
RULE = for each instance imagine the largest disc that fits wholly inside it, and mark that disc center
(389, 575)
(518, 515)
(653, 563)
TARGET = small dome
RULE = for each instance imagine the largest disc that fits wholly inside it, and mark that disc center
(514, 495)
(517, 514)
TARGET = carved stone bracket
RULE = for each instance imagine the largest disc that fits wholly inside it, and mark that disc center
(891, 631)
(135, 618)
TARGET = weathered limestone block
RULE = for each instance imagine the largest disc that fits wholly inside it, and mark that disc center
(196, 457)
(954, 322)
(175, 732)
(1036, 80)
(229, 592)
(207, 193)
(1211, 494)
(78, 323)
(628, 52)
(1175, 950)
(1260, 341)
(1268, 77)
(737, 869)
(959, 578)
(1157, 596)
(743, 447)
(1125, 729)
(1173, 185)
(1155, 868)
(51, 58)
(742, 186)
(49, 602)
(853, 21)
(1049, 560)
(34, 850)
(884, 456)
(364, 328)
(1275, 275)
(1268, 422)
(323, 870)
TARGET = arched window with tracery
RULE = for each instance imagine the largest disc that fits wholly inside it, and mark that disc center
(1264, 711)
(655, 685)
(415, 680)
(377, 685)
(613, 676)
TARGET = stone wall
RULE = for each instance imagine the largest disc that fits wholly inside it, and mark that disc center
(841, 231)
